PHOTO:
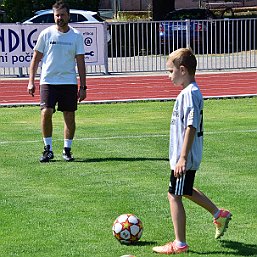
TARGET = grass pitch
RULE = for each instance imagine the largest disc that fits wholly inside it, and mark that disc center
(67, 209)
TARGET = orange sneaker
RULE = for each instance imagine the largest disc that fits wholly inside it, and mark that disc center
(221, 222)
(170, 248)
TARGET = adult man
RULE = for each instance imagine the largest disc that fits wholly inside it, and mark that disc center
(59, 47)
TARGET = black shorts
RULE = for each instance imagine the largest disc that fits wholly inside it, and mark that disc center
(182, 185)
(64, 95)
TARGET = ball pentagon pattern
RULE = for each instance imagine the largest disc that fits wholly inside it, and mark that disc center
(127, 228)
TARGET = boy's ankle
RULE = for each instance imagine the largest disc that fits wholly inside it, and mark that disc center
(179, 243)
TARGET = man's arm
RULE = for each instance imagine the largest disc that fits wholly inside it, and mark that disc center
(82, 76)
(37, 56)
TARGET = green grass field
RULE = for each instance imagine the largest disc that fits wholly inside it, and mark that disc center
(67, 209)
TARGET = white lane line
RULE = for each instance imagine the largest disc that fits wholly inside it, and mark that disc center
(7, 142)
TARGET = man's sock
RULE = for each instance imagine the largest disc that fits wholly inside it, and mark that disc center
(67, 143)
(48, 141)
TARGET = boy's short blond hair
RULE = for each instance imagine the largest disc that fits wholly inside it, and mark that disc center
(185, 57)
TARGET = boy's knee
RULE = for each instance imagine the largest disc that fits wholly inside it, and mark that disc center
(170, 196)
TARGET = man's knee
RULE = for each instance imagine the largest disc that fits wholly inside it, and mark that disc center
(47, 113)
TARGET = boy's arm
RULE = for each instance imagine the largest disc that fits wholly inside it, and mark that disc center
(180, 168)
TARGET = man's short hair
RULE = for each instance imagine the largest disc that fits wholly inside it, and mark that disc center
(185, 57)
(61, 5)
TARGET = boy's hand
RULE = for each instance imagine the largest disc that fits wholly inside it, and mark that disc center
(180, 168)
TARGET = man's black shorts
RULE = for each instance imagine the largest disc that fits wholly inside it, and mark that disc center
(182, 185)
(63, 95)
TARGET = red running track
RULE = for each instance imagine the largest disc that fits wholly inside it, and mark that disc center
(147, 87)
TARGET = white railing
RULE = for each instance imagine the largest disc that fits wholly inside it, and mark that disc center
(144, 46)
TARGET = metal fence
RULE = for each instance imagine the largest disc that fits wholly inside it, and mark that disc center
(221, 44)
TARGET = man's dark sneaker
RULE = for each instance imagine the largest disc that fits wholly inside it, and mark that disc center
(47, 154)
(67, 155)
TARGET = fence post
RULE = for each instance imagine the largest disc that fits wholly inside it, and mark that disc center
(106, 49)
(188, 33)
(20, 73)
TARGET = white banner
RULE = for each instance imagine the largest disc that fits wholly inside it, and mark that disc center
(18, 40)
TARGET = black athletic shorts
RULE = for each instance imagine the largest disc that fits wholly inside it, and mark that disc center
(63, 95)
(182, 185)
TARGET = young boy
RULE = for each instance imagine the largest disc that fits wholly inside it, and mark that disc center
(185, 153)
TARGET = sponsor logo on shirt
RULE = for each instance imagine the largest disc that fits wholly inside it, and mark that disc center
(60, 43)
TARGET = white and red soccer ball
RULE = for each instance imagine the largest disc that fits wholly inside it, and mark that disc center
(127, 228)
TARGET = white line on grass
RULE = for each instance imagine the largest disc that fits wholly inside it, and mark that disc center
(129, 136)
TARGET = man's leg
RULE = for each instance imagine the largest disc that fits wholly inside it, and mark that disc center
(69, 131)
(47, 130)
(46, 122)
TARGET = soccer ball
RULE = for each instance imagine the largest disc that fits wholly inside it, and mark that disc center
(127, 228)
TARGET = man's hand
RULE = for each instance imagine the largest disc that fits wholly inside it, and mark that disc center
(82, 94)
(31, 89)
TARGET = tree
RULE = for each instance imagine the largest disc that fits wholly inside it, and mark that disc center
(161, 8)
(18, 10)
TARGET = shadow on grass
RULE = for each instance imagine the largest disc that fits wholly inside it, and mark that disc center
(141, 243)
(116, 159)
(238, 248)
(109, 159)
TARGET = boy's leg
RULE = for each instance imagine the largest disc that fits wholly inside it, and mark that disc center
(201, 199)
(221, 217)
(178, 216)
(177, 188)
(179, 223)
